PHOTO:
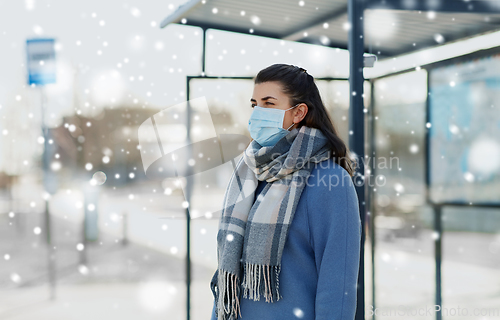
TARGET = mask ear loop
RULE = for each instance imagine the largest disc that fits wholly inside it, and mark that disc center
(293, 123)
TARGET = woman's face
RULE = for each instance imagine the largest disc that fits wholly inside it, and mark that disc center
(270, 95)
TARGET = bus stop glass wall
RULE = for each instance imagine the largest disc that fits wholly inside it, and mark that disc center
(118, 245)
(230, 108)
(465, 169)
(404, 252)
(471, 258)
(335, 95)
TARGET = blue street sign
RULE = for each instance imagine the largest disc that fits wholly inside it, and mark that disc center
(41, 61)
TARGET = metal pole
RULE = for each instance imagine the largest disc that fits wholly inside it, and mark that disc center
(203, 48)
(371, 194)
(436, 208)
(45, 164)
(188, 216)
(438, 229)
(83, 251)
(188, 185)
(355, 10)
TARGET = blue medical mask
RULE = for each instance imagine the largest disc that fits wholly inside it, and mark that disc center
(266, 125)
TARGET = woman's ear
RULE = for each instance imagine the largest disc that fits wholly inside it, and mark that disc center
(300, 112)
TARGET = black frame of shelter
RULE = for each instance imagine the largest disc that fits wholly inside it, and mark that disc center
(355, 10)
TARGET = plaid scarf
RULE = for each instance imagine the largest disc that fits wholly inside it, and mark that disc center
(252, 235)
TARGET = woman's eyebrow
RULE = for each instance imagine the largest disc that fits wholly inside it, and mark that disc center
(265, 98)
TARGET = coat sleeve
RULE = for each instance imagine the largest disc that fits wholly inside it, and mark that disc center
(335, 235)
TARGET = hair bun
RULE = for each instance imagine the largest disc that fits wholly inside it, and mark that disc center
(301, 69)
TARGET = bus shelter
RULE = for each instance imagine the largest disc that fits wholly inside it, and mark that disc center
(421, 25)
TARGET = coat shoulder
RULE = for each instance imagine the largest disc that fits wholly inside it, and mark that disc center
(327, 175)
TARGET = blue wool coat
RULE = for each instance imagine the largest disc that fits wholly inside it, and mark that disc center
(320, 261)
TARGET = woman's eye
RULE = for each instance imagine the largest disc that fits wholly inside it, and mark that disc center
(253, 105)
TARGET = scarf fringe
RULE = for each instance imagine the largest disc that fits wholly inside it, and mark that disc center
(261, 279)
(257, 280)
(228, 306)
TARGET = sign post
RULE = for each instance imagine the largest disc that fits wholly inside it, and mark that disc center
(41, 64)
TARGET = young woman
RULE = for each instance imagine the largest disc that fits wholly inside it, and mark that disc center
(289, 236)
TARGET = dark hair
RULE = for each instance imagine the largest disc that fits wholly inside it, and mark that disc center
(301, 88)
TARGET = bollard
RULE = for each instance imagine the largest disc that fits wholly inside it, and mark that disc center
(124, 228)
